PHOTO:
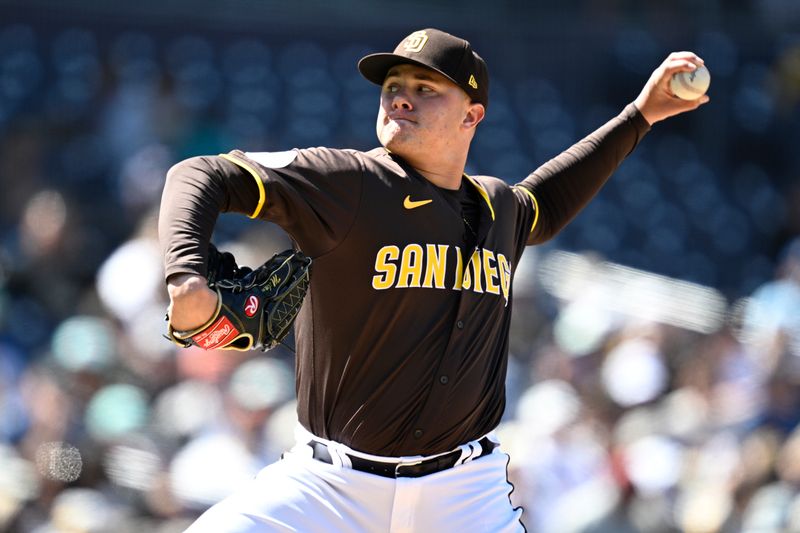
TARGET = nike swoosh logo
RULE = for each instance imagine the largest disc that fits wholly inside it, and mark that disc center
(408, 203)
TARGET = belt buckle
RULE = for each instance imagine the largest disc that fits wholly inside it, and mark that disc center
(401, 464)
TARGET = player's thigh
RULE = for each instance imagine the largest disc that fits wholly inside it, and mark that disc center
(302, 495)
(471, 498)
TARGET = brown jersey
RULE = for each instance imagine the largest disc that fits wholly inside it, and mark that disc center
(402, 340)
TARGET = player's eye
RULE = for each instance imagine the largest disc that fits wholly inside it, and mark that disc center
(391, 88)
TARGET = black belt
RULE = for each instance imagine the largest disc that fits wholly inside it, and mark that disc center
(397, 469)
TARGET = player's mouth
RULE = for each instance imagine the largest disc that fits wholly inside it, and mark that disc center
(400, 119)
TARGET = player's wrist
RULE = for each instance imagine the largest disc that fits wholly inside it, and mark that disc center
(638, 105)
(192, 302)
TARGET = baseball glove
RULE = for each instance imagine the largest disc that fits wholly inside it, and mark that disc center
(255, 308)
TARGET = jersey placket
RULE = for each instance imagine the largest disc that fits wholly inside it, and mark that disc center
(445, 373)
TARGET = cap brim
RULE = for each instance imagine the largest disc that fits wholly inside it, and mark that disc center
(375, 66)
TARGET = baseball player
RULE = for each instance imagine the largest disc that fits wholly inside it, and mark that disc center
(402, 339)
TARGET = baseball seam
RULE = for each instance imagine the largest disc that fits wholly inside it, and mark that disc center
(687, 86)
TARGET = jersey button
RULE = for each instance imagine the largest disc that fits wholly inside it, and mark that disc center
(460, 324)
(443, 380)
(417, 433)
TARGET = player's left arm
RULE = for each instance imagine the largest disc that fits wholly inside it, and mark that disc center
(558, 190)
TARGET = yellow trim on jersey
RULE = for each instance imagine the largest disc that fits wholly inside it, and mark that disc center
(482, 191)
(262, 194)
(535, 206)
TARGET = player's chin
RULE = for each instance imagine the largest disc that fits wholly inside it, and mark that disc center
(393, 139)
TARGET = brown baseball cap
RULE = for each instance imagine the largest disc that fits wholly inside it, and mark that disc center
(447, 54)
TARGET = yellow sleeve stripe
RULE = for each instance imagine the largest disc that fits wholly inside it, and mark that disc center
(535, 207)
(483, 193)
(262, 194)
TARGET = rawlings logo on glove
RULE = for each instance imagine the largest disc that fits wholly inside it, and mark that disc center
(255, 308)
(251, 307)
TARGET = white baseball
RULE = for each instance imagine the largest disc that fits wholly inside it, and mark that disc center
(690, 85)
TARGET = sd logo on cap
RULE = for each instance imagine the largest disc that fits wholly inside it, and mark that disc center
(415, 41)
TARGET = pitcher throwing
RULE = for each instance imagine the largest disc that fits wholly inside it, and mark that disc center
(402, 339)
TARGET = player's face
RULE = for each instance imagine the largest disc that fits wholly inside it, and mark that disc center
(421, 112)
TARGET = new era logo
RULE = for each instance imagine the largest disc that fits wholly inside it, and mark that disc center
(415, 41)
(473, 82)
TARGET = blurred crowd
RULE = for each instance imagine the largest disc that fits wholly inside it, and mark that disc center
(617, 421)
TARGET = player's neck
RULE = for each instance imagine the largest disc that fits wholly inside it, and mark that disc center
(446, 174)
(448, 181)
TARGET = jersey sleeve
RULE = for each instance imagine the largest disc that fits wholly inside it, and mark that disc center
(313, 194)
(195, 192)
(559, 189)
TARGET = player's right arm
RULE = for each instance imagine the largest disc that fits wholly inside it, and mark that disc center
(191, 302)
(313, 194)
(195, 192)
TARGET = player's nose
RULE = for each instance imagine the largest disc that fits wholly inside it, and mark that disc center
(401, 101)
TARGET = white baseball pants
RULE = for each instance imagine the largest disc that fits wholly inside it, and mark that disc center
(301, 494)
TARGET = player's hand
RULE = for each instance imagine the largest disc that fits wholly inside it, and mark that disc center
(191, 302)
(237, 308)
(656, 101)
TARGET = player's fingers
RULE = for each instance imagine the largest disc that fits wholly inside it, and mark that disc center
(688, 56)
(690, 105)
(678, 65)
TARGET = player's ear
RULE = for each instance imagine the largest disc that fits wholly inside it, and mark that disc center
(473, 116)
